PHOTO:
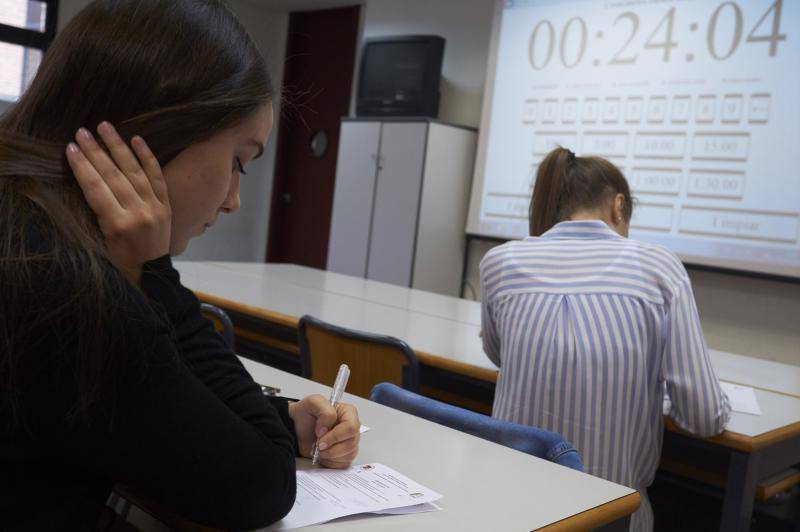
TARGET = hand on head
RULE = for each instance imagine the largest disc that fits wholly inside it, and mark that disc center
(128, 194)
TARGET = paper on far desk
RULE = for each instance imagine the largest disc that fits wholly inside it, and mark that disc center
(742, 398)
(325, 494)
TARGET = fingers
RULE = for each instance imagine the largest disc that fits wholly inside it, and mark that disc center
(132, 176)
(119, 185)
(96, 191)
(342, 462)
(338, 430)
(151, 168)
(348, 427)
(324, 414)
(339, 446)
(125, 160)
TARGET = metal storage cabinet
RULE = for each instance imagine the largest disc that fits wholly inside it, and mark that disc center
(400, 203)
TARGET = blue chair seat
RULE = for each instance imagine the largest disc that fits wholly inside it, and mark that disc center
(530, 440)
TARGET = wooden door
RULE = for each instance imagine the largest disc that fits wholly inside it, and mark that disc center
(318, 73)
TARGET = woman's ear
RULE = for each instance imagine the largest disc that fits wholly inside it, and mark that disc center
(616, 213)
(619, 209)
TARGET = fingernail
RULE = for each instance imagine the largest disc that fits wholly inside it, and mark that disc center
(105, 127)
(321, 431)
(323, 446)
(83, 132)
(72, 147)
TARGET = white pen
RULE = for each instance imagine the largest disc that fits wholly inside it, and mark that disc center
(336, 396)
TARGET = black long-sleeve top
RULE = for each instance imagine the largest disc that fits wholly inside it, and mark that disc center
(178, 419)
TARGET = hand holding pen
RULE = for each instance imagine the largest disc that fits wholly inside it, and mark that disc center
(335, 430)
(336, 395)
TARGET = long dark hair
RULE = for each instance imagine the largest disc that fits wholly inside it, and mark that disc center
(566, 184)
(174, 72)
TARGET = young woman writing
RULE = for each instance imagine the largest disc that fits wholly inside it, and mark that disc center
(108, 372)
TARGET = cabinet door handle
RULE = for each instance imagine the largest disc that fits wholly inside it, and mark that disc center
(378, 158)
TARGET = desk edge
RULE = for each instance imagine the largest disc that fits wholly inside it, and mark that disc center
(598, 516)
(742, 442)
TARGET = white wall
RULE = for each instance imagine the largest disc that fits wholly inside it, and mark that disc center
(68, 9)
(749, 316)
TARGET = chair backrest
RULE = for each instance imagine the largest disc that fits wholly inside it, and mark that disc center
(222, 322)
(530, 440)
(372, 358)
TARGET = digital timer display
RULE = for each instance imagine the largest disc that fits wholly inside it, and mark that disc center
(696, 101)
(722, 37)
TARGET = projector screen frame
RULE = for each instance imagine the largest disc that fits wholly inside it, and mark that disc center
(774, 271)
(485, 123)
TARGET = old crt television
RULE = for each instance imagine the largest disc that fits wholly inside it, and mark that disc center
(400, 76)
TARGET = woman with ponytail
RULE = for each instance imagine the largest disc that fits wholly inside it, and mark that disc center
(590, 330)
(130, 141)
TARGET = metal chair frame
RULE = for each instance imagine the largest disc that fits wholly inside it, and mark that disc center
(228, 333)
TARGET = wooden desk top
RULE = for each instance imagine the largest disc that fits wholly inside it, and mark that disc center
(444, 331)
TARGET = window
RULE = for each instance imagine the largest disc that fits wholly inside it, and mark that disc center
(26, 29)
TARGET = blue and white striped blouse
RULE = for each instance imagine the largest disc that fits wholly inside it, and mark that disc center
(588, 329)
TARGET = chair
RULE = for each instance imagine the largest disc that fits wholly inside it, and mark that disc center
(222, 322)
(372, 358)
(530, 440)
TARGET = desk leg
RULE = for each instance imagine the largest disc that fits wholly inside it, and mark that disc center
(737, 509)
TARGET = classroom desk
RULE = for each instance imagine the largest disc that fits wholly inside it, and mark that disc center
(443, 331)
(485, 486)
